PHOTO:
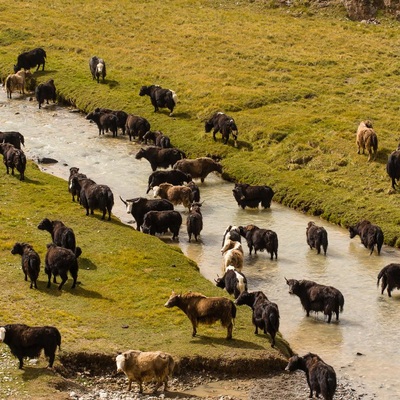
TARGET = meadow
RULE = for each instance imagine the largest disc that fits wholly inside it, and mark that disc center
(297, 80)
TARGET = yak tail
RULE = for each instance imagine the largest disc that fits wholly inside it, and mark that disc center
(374, 143)
(379, 240)
(380, 275)
(233, 309)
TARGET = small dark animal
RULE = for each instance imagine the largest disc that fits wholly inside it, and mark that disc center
(205, 310)
(198, 168)
(139, 206)
(162, 222)
(136, 126)
(60, 234)
(367, 139)
(321, 377)
(316, 297)
(97, 68)
(174, 176)
(390, 276)
(370, 235)
(260, 239)
(160, 158)
(26, 341)
(223, 123)
(233, 281)
(13, 158)
(74, 171)
(265, 313)
(194, 221)
(122, 116)
(94, 196)
(194, 188)
(59, 261)
(251, 196)
(160, 98)
(104, 122)
(393, 166)
(316, 237)
(12, 137)
(45, 92)
(31, 59)
(30, 261)
(158, 138)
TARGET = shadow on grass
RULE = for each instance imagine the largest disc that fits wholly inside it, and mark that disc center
(79, 290)
(233, 343)
(85, 263)
(32, 373)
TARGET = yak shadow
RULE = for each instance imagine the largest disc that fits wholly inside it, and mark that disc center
(233, 343)
(32, 373)
(111, 83)
(79, 290)
(85, 263)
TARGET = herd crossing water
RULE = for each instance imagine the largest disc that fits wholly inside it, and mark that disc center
(364, 345)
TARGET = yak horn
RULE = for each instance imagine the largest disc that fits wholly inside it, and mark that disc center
(123, 200)
(286, 280)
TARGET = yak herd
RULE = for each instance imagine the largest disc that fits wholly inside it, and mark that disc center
(176, 186)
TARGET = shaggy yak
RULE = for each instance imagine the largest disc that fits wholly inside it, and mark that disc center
(367, 139)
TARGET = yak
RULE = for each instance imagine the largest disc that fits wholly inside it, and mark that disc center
(317, 237)
(160, 98)
(390, 275)
(370, 235)
(220, 122)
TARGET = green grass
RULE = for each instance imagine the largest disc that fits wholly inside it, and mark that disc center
(297, 80)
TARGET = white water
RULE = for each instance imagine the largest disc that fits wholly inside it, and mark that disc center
(369, 323)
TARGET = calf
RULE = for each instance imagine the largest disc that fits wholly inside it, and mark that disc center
(390, 276)
(16, 81)
(223, 123)
(205, 310)
(144, 366)
(59, 261)
(31, 59)
(260, 239)
(136, 126)
(316, 297)
(175, 194)
(45, 92)
(265, 313)
(194, 221)
(251, 196)
(12, 137)
(139, 206)
(30, 261)
(160, 98)
(162, 221)
(160, 158)
(25, 341)
(104, 122)
(233, 281)
(174, 176)
(317, 237)
(367, 138)
(158, 138)
(198, 168)
(321, 377)
(13, 158)
(122, 116)
(370, 235)
(232, 253)
(73, 189)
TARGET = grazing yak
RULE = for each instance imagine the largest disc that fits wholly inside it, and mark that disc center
(194, 221)
(60, 234)
(74, 190)
(31, 59)
(59, 261)
(12, 137)
(390, 276)
(370, 235)
(13, 158)
(321, 377)
(46, 91)
(122, 116)
(174, 176)
(16, 82)
(205, 310)
(158, 138)
(94, 196)
(104, 122)
(159, 157)
(233, 281)
(393, 166)
(265, 313)
(139, 206)
(97, 68)
(162, 222)
(198, 168)
(29, 341)
(223, 123)
(317, 237)
(144, 366)
(367, 139)
(251, 196)
(175, 194)
(316, 297)
(160, 98)
(30, 261)
(232, 253)
(136, 126)
(260, 239)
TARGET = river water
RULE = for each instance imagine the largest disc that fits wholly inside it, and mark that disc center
(364, 346)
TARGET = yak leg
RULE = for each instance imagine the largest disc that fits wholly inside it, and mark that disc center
(64, 278)
(21, 362)
(194, 324)
(229, 333)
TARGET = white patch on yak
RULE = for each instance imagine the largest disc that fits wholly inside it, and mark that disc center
(241, 284)
(100, 67)
(2, 334)
(156, 191)
(120, 363)
(129, 205)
